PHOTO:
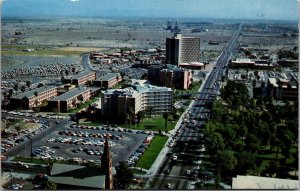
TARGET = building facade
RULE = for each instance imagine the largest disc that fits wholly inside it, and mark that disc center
(108, 80)
(181, 49)
(70, 99)
(33, 98)
(81, 78)
(283, 89)
(117, 103)
(170, 77)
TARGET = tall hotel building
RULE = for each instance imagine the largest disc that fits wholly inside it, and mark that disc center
(181, 49)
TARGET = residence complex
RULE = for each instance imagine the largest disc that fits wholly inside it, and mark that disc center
(108, 80)
(70, 99)
(170, 77)
(33, 98)
(81, 78)
(119, 102)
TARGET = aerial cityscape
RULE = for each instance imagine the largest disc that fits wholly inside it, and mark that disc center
(173, 94)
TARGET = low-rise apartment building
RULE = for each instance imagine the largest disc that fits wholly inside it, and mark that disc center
(81, 78)
(117, 103)
(173, 77)
(283, 89)
(108, 80)
(70, 99)
(33, 98)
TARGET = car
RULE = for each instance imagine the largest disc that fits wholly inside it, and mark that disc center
(168, 185)
(188, 172)
(174, 158)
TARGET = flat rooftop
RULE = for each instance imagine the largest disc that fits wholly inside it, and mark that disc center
(108, 77)
(79, 75)
(70, 94)
(30, 93)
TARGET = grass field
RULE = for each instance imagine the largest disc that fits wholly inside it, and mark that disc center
(149, 156)
(45, 51)
(155, 123)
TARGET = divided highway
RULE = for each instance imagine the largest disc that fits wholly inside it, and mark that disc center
(181, 164)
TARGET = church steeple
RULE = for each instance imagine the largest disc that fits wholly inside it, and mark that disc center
(106, 166)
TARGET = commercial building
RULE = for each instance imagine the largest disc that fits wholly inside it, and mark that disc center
(181, 49)
(248, 63)
(108, 80)
(81, 78)
(71, 98)
(33, 98)
(173, 77)
(283, 89)
(117, 103)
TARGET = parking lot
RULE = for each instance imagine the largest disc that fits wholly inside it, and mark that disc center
(85, 143)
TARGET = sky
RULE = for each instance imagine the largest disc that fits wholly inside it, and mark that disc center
(229, 9)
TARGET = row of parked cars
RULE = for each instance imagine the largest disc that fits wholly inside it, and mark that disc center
(139, 152)
(89, 134)
(79, 141)
(33, 115)
(22, 136)
(44, 152)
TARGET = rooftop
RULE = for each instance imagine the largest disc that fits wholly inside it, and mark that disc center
(30, 93)
(108, 77)
(256, 182)
(77, 176)
(70, 94)
(79, 75)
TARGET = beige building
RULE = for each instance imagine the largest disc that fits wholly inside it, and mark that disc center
(117, 103)
(181, 49)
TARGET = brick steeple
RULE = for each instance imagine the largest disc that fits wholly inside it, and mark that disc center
(106, 166)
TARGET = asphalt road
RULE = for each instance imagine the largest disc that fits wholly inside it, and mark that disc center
(189, 141)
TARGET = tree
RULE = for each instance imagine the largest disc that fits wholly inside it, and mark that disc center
(23, 88)
(40, 85)
(246, 162)
(67, 72)
(28, 83)
(124, 175)
(150, 110)
(16, 87)
(50, 185)
(225, 162)
(166, 116)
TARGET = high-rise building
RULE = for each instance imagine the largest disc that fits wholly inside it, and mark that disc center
(181, 49)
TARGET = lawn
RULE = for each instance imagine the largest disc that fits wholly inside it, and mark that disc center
(153, 124)
(84, 105)
(149, 156)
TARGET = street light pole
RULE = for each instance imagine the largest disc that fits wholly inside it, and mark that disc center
(31, 154)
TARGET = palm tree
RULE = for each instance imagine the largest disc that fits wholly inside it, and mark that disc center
(165, 116)
(130, 114)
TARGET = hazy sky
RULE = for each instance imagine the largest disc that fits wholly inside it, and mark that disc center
(246, 9)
